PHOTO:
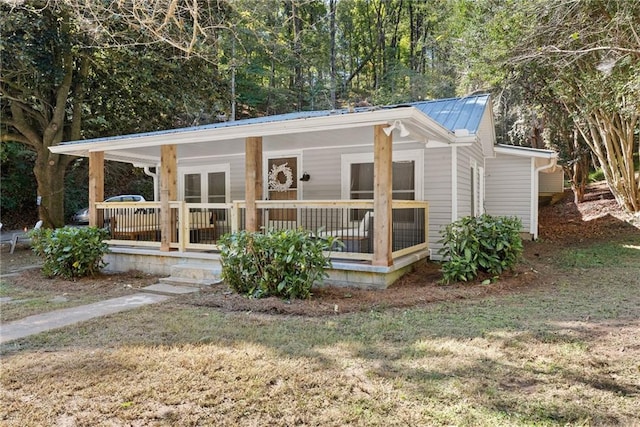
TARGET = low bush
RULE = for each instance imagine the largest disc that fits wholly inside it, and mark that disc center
(70, 251)
(277, 263)
(483, 243)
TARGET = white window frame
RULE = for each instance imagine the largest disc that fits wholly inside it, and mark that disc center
(417, 156)
(204, 185)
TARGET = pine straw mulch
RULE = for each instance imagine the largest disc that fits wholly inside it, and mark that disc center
(561, 225)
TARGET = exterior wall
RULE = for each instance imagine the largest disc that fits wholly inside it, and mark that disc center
(508, 187)
(550, 183)
(466, 155)
(324, 167)
(437, 191)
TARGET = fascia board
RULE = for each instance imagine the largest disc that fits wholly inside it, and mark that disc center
(312, 124)
(525, 152)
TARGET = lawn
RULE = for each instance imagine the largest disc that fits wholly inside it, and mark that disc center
(561, 348)
(562, 353)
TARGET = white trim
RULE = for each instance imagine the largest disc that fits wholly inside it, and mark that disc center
(203, 171)
(398, 156)
(534, 199)
(473, 166)
(514, 150)
(430, 128)
(454, 183)
(481, 189)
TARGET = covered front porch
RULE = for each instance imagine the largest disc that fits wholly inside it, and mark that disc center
(136, 234)
(379, 238)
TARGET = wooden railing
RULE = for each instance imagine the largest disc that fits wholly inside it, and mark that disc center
(198, 226)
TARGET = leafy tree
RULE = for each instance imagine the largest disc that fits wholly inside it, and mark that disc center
(577, 63)
(58, 84)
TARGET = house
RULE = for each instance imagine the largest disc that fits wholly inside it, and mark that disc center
(384, 180)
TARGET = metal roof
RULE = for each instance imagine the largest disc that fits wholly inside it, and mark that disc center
(452, 113)
(456, 113)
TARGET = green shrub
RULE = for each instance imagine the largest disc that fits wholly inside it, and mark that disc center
(277, 263)
(482, 243)
(70, 251)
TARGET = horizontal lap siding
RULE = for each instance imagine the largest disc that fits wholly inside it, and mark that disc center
(508, 188)
(437, 191)
(325, 169)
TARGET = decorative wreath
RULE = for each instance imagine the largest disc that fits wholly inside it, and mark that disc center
(274, 180)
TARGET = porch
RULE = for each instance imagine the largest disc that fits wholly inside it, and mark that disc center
(195, 229)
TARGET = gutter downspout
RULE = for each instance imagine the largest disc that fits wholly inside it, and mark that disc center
(156, 187)
(535, 184)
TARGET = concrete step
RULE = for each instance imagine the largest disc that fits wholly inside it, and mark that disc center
(185, 281)
(194, 274)
(167, 289)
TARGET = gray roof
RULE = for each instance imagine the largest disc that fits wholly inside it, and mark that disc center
(456, 113)
(451, 113)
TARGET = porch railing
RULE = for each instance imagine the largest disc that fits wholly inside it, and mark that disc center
(198, 226)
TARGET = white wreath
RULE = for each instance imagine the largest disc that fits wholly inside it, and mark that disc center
(275, 183)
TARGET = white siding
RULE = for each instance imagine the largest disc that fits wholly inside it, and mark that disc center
(508, 187)
(437, 191)
(465, 157)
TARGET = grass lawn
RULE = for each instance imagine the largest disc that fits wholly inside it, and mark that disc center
(564, 352)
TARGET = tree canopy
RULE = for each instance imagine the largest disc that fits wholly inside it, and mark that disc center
(563, 74)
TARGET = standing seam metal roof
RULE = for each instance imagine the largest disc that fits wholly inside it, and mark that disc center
(452, 113)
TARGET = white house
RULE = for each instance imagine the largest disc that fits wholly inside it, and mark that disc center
(384, 180)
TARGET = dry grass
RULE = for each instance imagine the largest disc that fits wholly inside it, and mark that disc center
(564, 350)
(565, 353)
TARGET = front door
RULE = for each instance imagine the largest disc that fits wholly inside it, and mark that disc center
(282, 184)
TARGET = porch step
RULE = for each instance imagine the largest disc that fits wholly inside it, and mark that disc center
(194, 274)
(167, 289)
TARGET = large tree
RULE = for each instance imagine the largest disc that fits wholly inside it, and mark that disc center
(43, 87)
(60, 82)
(578, 65)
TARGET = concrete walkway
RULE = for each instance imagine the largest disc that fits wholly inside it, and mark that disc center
(56, 319)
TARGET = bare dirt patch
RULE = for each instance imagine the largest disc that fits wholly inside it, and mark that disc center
(561, 225)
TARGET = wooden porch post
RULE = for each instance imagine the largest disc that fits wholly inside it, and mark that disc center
(382, 196)
(168, 191)
(253, 180)
(96, 184)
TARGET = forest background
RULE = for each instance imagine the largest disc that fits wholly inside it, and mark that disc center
(563, 75)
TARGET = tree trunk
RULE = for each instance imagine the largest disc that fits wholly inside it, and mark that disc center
(611, 138)
(579, 169)
(50, 170)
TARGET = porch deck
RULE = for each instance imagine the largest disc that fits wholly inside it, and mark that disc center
(196, 228)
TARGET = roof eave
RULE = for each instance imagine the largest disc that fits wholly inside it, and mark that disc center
(525, 151)
(312, 124)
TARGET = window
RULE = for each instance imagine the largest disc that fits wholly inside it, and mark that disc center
(357, 178)
(206, 186)
(477, 189)
(404, 180)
